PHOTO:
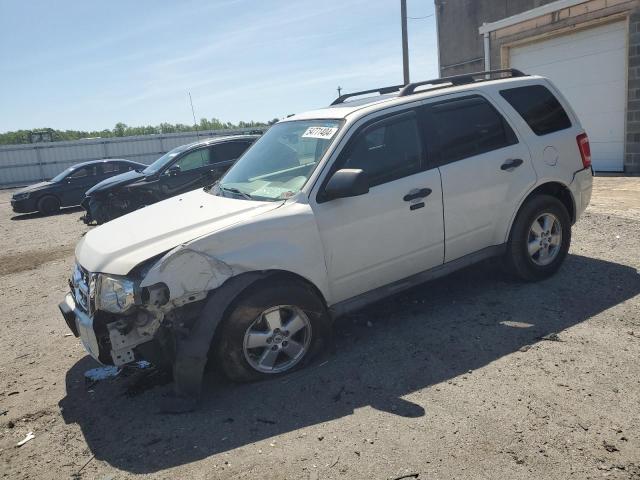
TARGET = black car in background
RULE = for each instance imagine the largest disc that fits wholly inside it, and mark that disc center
(68, 187)
(182, 169)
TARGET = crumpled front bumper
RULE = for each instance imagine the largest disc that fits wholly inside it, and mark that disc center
(81, 325)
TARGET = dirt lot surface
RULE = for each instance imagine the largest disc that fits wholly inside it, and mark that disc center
(467, 377)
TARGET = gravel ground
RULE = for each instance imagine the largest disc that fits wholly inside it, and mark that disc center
(469, 376)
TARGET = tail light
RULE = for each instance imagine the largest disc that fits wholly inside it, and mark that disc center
(585, 149)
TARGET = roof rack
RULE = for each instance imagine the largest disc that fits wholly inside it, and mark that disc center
(410, 88)
(463, 79)
(381, 91)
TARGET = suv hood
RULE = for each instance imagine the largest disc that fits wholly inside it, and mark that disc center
(119, 245)
(116, 181)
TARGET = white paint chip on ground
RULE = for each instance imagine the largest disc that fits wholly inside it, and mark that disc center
(30, 436)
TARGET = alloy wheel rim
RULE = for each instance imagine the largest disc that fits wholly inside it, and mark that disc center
(278, 339)
(545, 239)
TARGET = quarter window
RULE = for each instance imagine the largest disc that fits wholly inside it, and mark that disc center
(467, 127)
(387, 151)
(538, 107)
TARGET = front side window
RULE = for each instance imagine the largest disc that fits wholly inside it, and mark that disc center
(387, 151)
(280, 162)
(165, 159)
(538, 107)
(467, 127)
(82, 172)
(193, 160)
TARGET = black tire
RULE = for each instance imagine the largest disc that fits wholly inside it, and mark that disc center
(517, 260)
(48, 205)
(228, 347)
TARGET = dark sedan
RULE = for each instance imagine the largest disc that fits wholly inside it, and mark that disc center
(182, 169)
(68, 187)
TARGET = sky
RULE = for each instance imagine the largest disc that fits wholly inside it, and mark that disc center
(86, 65)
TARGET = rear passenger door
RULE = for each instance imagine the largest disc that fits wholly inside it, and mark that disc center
(485, 171)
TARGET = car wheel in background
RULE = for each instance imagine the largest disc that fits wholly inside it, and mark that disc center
(539, 240)
(48, 205)
(270, 330)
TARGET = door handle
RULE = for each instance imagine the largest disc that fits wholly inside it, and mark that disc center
(417, 193)
(511, 164)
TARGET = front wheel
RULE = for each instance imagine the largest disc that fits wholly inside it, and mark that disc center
(271, 330)
(48, 205)
(539, 240)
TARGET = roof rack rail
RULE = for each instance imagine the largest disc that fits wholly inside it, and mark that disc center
(462, 79)
(410, 88)
(381, 91)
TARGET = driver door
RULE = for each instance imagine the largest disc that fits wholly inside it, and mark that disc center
(78, 182)
(186, 173)
(395, 230)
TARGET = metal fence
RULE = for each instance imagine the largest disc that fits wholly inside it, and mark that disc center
(24, 164)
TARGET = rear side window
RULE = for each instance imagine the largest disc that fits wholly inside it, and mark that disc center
(228, 151)
(388, 150)
(467, 127)
(538, 107)
(110, 167)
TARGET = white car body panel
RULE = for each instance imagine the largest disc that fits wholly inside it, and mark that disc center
(118, 246)
(375, 239)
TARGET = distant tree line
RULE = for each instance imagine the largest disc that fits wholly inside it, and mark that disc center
(123, 130)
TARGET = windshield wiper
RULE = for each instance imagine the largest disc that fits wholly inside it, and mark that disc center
(236, 191)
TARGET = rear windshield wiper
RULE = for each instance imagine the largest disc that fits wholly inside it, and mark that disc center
(236, 191)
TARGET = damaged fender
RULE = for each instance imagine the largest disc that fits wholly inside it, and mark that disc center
(188, 274)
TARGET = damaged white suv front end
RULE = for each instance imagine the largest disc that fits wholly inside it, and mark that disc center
(111, 314)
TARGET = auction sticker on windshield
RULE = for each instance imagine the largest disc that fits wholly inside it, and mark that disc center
(320, 132)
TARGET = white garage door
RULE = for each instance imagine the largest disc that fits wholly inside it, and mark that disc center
(589, 68)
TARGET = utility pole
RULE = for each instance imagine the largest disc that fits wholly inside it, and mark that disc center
(405, 41)
(339, 91)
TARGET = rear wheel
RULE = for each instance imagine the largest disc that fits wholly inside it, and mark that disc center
(48, 205)
(271, 330)
(539, 240)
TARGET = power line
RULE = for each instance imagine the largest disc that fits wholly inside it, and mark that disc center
(421, 18)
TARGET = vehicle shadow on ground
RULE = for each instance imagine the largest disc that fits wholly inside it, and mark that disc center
(430, 334)
(62, 211)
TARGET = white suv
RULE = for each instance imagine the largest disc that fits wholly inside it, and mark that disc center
(329, 211)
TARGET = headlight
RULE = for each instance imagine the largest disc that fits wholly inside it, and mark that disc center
(115, 294)
(21, 196)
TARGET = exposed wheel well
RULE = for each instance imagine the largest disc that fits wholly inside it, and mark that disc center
(559, 191)
(284, 274)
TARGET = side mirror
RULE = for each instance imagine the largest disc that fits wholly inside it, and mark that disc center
(346, 182)
(174, 170)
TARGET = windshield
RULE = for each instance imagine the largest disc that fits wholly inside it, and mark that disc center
(278, 165)
(59, 177)
(163, 160)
